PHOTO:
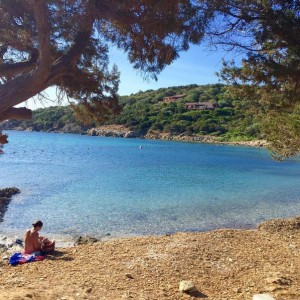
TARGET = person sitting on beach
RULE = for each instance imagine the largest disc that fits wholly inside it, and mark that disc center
(34, 243)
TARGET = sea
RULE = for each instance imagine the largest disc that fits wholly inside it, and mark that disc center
(104, 187)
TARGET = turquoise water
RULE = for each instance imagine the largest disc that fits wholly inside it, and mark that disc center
(92, 185)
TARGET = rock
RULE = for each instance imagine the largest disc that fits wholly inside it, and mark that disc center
(8, 192)
(5, 197)
(3, 247)
(292, 246)
(237, 290)
(129, 276)
(186, 286)
(72, 128)
(109, 130)
(83, 240)
(88, 290)
(263, 297)
(279, 280)
(132, 134)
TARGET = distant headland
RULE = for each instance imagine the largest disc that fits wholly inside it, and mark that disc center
(184, 113)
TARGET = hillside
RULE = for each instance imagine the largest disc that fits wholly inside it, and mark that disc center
(148, 114)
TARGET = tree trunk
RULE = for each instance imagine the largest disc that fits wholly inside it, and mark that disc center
(46, 73)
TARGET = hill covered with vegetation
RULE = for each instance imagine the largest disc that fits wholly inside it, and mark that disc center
(146, 112)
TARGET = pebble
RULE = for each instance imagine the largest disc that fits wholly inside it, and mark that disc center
(237, 290)
(186, 286)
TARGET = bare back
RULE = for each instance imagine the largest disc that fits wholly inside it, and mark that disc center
(31, 241)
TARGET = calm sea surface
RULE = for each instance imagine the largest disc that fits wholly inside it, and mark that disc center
(92, 185)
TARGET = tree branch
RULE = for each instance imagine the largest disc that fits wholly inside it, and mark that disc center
(28, 85)
(14, 113)
(63, 64)
(43, 30)
(11, 69)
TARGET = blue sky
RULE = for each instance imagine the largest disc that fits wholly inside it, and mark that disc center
(198, 65)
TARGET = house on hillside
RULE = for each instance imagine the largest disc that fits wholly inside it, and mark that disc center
(201, 105)
(173, 98)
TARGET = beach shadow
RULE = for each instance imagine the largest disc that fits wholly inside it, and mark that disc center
(59, 255)
(197, 294)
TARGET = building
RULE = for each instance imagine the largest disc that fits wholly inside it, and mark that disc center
(173, 98)
(201, 105)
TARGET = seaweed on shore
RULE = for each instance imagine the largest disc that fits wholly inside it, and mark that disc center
(5, 198)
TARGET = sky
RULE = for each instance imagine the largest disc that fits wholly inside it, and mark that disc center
(198, 65)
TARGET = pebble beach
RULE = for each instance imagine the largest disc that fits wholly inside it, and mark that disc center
(222, 264)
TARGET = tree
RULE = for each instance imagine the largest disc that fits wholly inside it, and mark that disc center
(65, 43)
(269, 77)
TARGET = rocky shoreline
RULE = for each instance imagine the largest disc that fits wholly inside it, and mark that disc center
(5, 198)
(121, 131)
(224, 264)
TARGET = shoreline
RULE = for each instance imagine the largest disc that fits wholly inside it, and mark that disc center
(69, 240)
(119, 131)
(223, 264)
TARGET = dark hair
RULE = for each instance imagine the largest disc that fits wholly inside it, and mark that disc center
(37, 224)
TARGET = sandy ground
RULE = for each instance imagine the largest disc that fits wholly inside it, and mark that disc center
(223, 264)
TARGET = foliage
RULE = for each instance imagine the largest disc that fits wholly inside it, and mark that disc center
(146, 111)
(65, 43)
(269, 77)
(55, 118)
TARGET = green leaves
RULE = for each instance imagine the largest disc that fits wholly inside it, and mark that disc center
(267, 82)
